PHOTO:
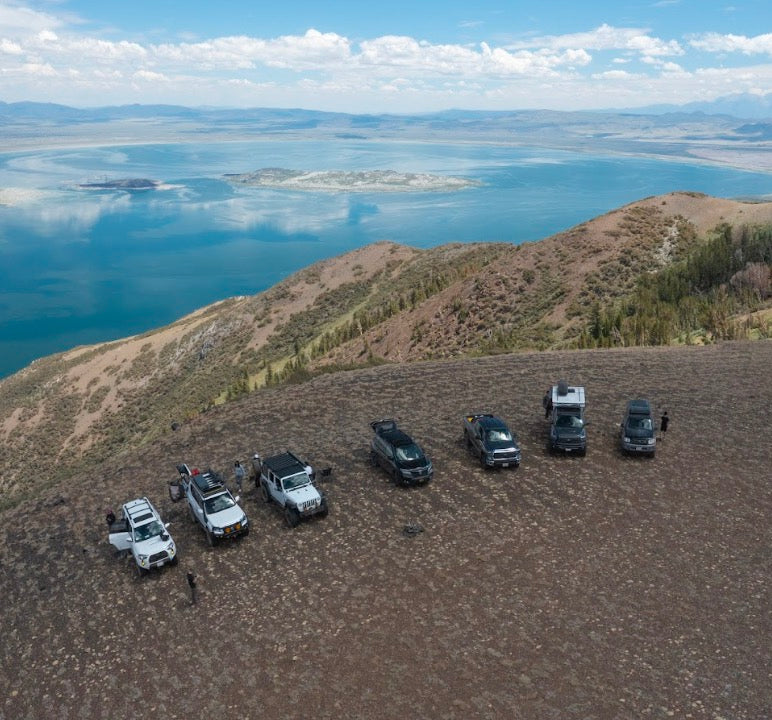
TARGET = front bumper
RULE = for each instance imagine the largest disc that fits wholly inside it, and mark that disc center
(636, 448)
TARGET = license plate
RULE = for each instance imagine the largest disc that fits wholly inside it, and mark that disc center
(161, 564)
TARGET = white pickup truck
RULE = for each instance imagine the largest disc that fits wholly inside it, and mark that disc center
(210, 504)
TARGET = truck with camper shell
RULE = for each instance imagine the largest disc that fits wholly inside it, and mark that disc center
(488, 438)
(397, 453)
(141, 532)
(636, 432)
(564, 407)
(289, 482)
(210, 504)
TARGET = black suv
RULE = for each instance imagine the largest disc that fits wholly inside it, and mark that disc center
(396, 452)
(636, 432)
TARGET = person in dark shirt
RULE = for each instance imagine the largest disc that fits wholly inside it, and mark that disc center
(663, 423)
(192, 586)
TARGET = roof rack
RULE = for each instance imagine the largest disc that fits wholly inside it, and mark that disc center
(284, 464)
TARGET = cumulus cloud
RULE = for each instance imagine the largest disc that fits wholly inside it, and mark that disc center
(324, 69)
(716, 43)
(607, 37)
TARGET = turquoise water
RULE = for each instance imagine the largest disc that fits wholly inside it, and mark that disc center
(80, 266)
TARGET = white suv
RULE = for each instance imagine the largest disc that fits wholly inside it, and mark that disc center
(141, 532)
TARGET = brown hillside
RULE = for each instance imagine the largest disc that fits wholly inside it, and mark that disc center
(384, 302)
(539, 294)
(595, 587)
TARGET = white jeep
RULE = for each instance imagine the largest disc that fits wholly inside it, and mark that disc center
(288, 482)
(141, 532)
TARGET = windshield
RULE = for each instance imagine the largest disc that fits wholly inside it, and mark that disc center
(499, 435)
(216, 504)
(639, 423)
(295, 481)
(145, 532)
(406, 453)
(569, 421)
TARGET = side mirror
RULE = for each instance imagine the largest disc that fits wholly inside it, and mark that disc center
(237, 498)
(166, 525)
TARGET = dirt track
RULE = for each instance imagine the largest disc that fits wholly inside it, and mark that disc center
(596, 587)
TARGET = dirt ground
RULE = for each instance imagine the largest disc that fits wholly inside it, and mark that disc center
(597, 587)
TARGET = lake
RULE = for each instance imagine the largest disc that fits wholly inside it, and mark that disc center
(81, 266)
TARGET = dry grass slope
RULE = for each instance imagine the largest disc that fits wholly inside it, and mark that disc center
(603, 587)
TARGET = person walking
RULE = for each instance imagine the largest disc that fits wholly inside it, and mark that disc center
(663, 423)
(238, 470)
(192, 586)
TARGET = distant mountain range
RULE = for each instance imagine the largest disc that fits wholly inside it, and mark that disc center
(741, 106)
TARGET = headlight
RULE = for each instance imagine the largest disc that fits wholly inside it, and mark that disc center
(217, 531)
(142, 560)
(171, 549)
(626, 439)
(651, 441)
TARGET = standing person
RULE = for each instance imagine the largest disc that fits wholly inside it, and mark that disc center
(110, 517)
(663, 423)
(257, 466)
(547, 402)
(192, 586)
(238, 471)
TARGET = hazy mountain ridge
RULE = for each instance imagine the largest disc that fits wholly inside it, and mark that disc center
(380, 303)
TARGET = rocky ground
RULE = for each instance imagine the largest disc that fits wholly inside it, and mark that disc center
(595, 587)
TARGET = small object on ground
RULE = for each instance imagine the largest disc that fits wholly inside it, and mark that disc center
(412, 529)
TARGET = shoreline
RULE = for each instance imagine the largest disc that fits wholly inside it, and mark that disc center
(755, 158)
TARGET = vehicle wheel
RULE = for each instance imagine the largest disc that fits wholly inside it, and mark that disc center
(468, 440)
(373, 459)
(582, 452)
(396, 476)
(174, 560)
(191, 513)
(483, 464)
(325, 511)
(264, 493)
(141, 572)
(291, 516)
(210, 538)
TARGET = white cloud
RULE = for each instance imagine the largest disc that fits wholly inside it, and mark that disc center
(50, 58)
(716, 43)
(607, 37)
(10, 48)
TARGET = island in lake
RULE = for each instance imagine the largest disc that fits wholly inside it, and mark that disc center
(122, 184)
(351, 181)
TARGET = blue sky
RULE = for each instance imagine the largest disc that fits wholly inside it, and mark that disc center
(396, 56)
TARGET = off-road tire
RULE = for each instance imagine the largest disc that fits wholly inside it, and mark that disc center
(292, 517)
(325, 508)
(264, 493)
(210, 538)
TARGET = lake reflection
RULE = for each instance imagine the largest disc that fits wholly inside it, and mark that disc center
(80, 266)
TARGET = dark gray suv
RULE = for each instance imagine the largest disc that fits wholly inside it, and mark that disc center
(397, 453)
(636, 432)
